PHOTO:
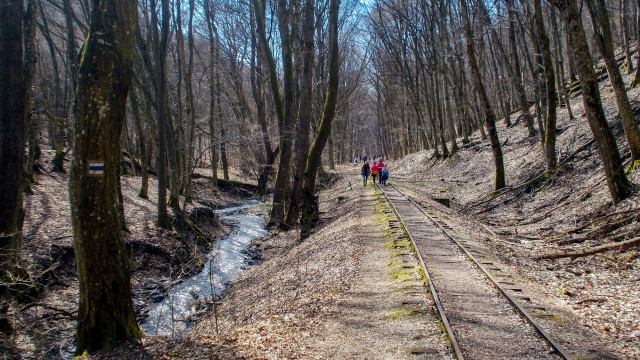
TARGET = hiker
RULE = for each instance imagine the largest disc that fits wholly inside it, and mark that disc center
(384, 175)
(374, 172)
(365, 171)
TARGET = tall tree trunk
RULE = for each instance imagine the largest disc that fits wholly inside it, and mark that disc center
(560, 75)
(283, 104)
(489, 115)
(521, 96)
(616, 179)
(624, 15)
(12, 143)
(105, 314)
(144, 158)
(213, 75)
(310, 214)
(604, 42)
(550, 81)
(188, 197)
(539, 78)
(160, 49)
(636, 77)
(305, 115)
(30, 59)
(72, 52)
(56, 125)
(72, 64)
(257, 90)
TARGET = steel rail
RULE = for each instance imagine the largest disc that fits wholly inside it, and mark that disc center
(443, 317)
(554, 344)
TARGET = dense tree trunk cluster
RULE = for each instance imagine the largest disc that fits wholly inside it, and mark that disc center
(414, 59)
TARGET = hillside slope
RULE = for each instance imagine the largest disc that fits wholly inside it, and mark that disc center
(569, 211)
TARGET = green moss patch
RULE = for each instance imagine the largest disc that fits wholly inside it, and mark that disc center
(406, 312)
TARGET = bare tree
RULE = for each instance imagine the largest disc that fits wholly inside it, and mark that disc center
(604, 42)
(489, 116)
(616, 179)
(549, 145)
(310, 214)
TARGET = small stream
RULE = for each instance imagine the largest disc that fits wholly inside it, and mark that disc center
(225, 262)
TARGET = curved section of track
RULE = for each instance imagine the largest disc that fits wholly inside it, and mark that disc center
(481, 318)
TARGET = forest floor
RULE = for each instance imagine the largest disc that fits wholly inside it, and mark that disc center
(46, 324)
(338, 294)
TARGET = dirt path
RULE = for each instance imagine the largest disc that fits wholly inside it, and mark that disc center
(342, 293)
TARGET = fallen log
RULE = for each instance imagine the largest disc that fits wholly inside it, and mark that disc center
(596, 250)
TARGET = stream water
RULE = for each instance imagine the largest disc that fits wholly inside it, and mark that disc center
(226, 261)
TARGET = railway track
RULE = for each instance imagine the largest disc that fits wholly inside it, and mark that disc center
(479, 307)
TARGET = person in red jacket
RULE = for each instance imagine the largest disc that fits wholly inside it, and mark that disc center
(374, 172)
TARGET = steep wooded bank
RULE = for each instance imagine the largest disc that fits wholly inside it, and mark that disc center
(561, 230)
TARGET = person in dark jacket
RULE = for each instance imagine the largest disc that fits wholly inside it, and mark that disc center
(384, 175)
(365, 171)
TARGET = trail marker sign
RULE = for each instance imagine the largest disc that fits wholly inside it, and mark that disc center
(96, 168)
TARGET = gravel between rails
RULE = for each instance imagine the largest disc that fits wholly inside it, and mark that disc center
(484, 323)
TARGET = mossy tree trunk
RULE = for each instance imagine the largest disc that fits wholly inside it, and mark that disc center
(604, 42)
(310, 200)
(257, 90)
(305, 115)
(489, 115)
(105, 313)
(284, 104)
(258, 93)
(616, 179)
